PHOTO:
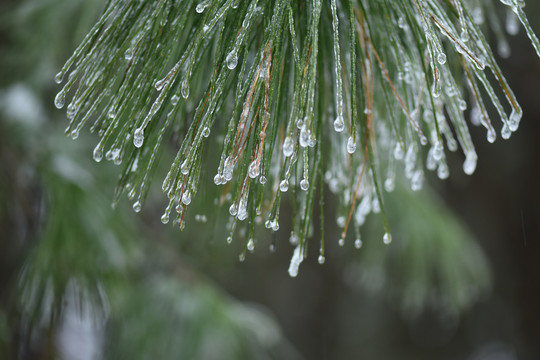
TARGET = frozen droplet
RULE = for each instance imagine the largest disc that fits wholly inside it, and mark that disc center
(186, 198)
(304, 184)
(339, 124)
(387, 238)
(398, 151)
(505, 132)
(321, 259)
(284, 185)
(442, 171)
(441, 58)
(389, 184)
(295, 261)
(470, 163)
(299, 123)
(514, 120)
(251, 245)
(232, 60)
(185, 89)
(351, 145)
(262, 180)
(438, 151)
(253, 170)
(341, 242)
(417, 180)
(138, 137)
(60, 100)
(304, 136)
(206, 131)
(491, 136)
(98, 153)
(165, 218)
(137, 206)
(358, 243)
(462, 105)
(59, 77)
(288, 147)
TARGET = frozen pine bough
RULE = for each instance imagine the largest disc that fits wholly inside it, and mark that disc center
(294, 96)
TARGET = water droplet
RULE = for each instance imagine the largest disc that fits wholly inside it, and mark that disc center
(232, 60)
(161, 83)
(201, 6)
(339, 124)
(228, 169)
(232, 210)
(206, 131)
(98, 153)
(464, 35)
(358, 243)
(253, 170)
(242, 257)
(229, 239)
(137, 206)
(262, 180)
(60, 100)
(217, 179)
(441, 58)
(321, 259)
(304, 184)
(288, 147)
(351, 145)
(462, 105)
(174, 100)
(74, 134)
(165, 218)
(387, 238)
(284, 185)
(185, 89)
(341, 242)
(184, 168)
(272, 248)
(251, 245)
(138, 137)
(186, 198)
(59, 77)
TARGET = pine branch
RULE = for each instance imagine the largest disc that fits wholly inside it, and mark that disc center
(294, 93)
